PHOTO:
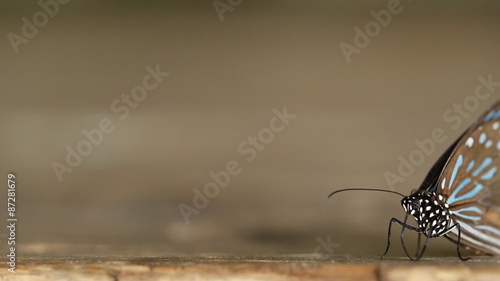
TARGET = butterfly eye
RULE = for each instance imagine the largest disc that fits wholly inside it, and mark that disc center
(415, 205)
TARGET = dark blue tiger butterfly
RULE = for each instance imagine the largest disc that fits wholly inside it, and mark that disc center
(460, 196)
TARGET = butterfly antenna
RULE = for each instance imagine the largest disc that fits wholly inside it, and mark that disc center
(365, 189)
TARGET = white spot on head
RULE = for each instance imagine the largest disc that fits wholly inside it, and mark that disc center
(469, 142)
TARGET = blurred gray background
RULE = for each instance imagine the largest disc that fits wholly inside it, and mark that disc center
(227, 74)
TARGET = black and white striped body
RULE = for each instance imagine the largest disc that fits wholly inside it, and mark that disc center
(432, 216)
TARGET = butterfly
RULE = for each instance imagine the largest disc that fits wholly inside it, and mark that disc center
(460, 196)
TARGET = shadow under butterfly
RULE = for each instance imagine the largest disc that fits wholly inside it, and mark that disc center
(460, 196)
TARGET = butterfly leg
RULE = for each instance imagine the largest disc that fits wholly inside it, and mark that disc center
(404, 225)
(457, 225)
(402, 237)
(420, 252)
(418, 244)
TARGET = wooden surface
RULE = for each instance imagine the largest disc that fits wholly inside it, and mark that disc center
(250, 268)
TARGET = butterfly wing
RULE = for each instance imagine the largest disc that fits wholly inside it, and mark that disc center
(430, 181)
(470, 185)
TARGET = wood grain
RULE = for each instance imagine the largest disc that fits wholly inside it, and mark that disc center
(250, 268)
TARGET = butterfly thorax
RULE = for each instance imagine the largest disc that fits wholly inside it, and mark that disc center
(432, 216)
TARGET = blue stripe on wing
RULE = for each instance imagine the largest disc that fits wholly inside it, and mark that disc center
(459, 163)
(472, 209)
(453, 198)
(486, 162)
(474, 188)
(494, 114)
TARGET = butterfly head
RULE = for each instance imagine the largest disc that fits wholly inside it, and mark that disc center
(431, 215)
